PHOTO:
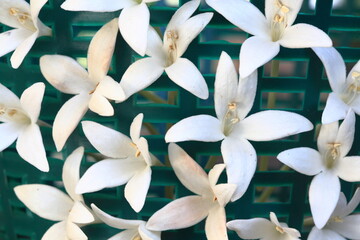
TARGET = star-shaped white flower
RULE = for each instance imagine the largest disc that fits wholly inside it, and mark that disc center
(129, 162)
(328, 165)
(233, 101)
(263, 229)
(209, 202)
(93, 88)
(23, 17)
(346, 90)
(271, 31)
(341, 224)
(134, 229)
(19, 117)
(133, 21)
(166, 55)
(50, 203)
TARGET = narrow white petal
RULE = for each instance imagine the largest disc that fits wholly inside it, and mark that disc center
(101, 50)
(8, 98)
(96, 5)
(349, 228)
(180, 213)
(185, 74)
(215, 173)
(140, 75)
(31, 100)
(253, 228)
(65, 74)
(146, 234)
(110, 89)
(348, 169)
(134, 25)
(335, 109)
(189, 172)
(35, 7)
(320, 190)
(327, 135)
(68, 118)
(271, 8)
(224, 192)
(273, 124)
(304, 160)
(245, 95)
(100, 105)
(354, 202)
(303, 36)
(143, 147)
(204, 128)
(56, 232)
(154, 45)
(135, 128)
(324, 234)
(22, 50)
(340, 206)
(107, 141)
(74, 231)
(242, 14)
(255, 52)
(125, 235)
(137, 187)
(80, 213)
(215, 225)
(274, 219)
(11, 39)
(30, 147)
(71, 173)
(182, 14)
(240, 159)
(9, 132)
(108, 173)
(346, 133)
(55, 205)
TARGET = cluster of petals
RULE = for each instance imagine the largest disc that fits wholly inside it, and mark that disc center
(23, 17)
(50, 203)
(233, 101)
(93, 88)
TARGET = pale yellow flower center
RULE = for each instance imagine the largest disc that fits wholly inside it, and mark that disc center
(337, 219)
(332, 154)
(279, 21)
(137, 237)
(353, 89)
(171, 42)
(230, 118)
(280, 229)
(13, 115)
(23, 18)
(138, 152)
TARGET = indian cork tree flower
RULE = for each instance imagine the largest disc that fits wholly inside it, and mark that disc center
(233, 100)
(271, 31)
(133, 229)
(129, 162)
(346, 90)
(20, 117)
(341, 224)
(93, 88)
(209, 202)
(23, 17)
(50, 203)
(327, 165)
(263, 229)
(166, 55)
(133, 20)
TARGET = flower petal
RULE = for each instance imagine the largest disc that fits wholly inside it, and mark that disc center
(354, 202)
(204, 128)
(346, 133)
(125, 235)
(271, 8)
(55, 205)
(108, 173)
(252, 228)
(154, 44)
(68, 118)
(215, 226)
(35, 7)
(215, 173)
(11, 39)
(74, 231)
(135, 17)
(303, 36)
(9, 132)
(318, 191)
(96, 5)
(110, 89)
(242, 14)
(65, 74)
(348, 169)
(5, 16)
(245, 95)
(30, 147)
(324, 234)
(80, 213)
(276, 124)
(304, 160)
(56, 232)
(240, 159)
(188, 171)
(180, 213)
(335, 109)
(8, 98)
(22, 50)
(107, 141)
(250, 56)
(145, 234)
(182, 14)
(349, 228)
(31, 100)
(224, 192)
(101, 50)
(185, 74)
(140, 75)
(71, 173)
(135, 128)
(100, 105)
(143, 147)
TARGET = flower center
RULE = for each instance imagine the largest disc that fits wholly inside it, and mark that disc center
(279, 22)
(230, 119)
(353, 89)
(280, 229)
(171, 46)
(23, 18)
(137, 237)
(13, 115)
(137, 153)
(332, 154)
(337, 219)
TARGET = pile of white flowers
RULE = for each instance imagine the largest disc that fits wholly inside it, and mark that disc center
(128, 160)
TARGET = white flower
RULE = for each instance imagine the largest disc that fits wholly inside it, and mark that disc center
(341, 225)
(50, 203)
(166, 56)
(134, 229)
(133, 21)
(23, 17)
(93, 88)
(263, 229)
(209, 202)
(129, 162)
(233, 101)
(328, 164)
(269, 32)
(346, 90)
(19, 117)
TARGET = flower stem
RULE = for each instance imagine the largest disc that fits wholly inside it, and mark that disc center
(152, 97)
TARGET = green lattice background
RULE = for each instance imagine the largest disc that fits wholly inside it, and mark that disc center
(301, 87)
